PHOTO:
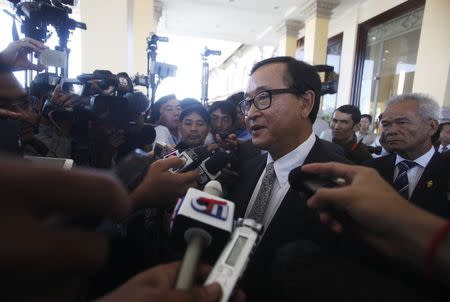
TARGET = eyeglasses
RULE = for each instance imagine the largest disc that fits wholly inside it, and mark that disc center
(263, 99)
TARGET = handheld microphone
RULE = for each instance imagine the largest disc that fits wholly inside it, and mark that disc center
(210, 168)
(309, 183)
(192, 158)
(201, 221)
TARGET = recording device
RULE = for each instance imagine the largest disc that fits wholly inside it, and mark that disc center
(192, 158)
(309, 182)
(101, 80)
(233, 260)
(44, 83)
(55, 58)
(201, 220)
(37, 15)
(210, 168)
(132, 169)
(331, 79)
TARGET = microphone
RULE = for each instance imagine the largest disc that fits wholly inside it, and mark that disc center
(192, 158)
(309, 183)
(210, 168)
(202, 221)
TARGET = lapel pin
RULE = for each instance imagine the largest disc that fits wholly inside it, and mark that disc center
(429, 184)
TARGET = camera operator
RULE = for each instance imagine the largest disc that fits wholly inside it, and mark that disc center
(386, 221)
(55, 129)
(13, 103)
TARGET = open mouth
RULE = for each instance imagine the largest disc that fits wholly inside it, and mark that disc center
(256, 127)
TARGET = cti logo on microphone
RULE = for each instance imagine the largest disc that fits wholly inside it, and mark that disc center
(211, 207)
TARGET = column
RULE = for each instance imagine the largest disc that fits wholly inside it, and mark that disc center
(115, 35)
(433, 62)
(288, 37)
(317, 13)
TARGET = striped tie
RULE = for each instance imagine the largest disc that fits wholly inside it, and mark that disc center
(401, 183)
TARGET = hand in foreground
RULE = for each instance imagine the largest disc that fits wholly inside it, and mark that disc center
(157, 284)
(161, 186)
(36, 257)
(368, 199)
(229, 143)
(15, 55)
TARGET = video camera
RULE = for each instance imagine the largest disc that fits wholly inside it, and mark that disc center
(37, 15)
(331, 80)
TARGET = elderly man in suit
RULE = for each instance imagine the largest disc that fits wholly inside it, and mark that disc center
(415, 169)
(280, 104)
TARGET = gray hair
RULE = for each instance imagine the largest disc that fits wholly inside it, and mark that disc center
(428, 108)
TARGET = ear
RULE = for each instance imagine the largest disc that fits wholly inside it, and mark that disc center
(307, 103)
(434, 125)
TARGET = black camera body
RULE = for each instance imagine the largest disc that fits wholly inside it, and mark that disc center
(39, 14)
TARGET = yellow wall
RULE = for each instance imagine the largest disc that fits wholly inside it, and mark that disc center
(115, 39)
(433, 58)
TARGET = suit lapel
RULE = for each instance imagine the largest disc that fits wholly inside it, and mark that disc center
(249, 178)
(428, 181)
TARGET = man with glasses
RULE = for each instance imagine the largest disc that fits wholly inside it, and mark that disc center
(280, 104)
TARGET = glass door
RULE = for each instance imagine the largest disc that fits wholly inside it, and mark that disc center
(390, 61)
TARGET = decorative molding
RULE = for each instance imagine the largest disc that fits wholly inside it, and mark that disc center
(157, 10)
(319, 8)
(290, 27)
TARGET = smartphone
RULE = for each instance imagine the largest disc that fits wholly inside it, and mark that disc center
(54, 58)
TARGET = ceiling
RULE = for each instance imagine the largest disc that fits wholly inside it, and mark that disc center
(246, 21)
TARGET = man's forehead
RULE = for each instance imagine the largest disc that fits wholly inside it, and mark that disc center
(267, 76)
(406, 108)
(342, 115)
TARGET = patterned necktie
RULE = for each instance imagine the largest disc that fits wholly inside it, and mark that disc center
(444, 149)
(262, 199)
(401, 183)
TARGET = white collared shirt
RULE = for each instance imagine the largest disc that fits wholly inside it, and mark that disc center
(441, 148)
(416, 172)
(282, 167)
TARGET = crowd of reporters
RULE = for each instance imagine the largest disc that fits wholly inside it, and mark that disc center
(117, 237)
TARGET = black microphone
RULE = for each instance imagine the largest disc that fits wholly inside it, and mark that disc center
(309, 183)
(210, 168)
(192, 158)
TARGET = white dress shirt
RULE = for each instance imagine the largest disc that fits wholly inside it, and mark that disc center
(415, 172)
(163, 135)
(282, 167)
(441, 148)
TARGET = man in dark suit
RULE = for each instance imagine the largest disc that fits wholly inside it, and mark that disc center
(281, 103)
(415, 169)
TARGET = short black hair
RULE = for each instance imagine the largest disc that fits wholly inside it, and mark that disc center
(195, 109)
(235, 98)
(299, 76)
(156, 108)
(367, 116)
(224, 106)
(353, 110)
(137, 102)
(187, 102)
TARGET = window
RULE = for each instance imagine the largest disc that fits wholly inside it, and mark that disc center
(334, 50)
(386, 56)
